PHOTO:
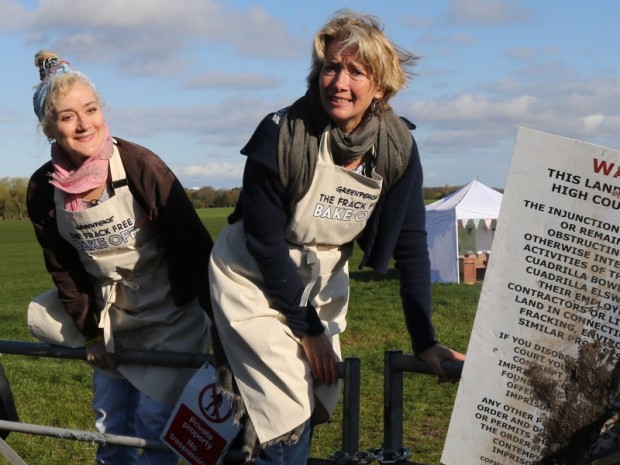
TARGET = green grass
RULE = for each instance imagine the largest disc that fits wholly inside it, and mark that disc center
(214, 218)
(47, 391)
(58, 392)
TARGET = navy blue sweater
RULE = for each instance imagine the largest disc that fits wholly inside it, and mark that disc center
(396, 229)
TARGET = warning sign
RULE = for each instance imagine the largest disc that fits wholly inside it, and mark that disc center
(201, 427)
(194, 439)
(541, 384)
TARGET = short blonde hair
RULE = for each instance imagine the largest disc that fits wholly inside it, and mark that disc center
(389, 64)
(60, 86)
(57, 79)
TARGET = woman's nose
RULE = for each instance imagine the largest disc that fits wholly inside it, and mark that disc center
(83, 123)
(341, 79)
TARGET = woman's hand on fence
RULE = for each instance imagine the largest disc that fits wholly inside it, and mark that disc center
(435, 355)
(322, 358)
(97, 356)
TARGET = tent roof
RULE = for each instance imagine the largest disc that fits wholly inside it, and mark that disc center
(473, 201)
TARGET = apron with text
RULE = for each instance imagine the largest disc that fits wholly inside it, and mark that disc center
(267, 360)
(122, 254)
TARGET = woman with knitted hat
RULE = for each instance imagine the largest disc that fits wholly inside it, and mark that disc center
(336, 166)
(127, 253)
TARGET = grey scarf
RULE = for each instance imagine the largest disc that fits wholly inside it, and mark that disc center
(346, 148)
(300, 134)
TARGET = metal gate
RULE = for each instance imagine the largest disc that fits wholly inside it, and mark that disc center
(392, 450)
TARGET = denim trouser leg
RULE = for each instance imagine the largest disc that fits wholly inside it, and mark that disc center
(114, 402)
(121, 409)
(281, 454)
(151, 418)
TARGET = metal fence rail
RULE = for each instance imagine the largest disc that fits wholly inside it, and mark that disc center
(78, 435)
(392, 450)
(349, 370)
(142, 357)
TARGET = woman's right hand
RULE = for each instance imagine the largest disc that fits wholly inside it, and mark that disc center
(322, 358)
(436, 354)
(97, 356)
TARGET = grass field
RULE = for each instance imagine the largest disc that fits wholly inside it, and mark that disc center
(57, 392)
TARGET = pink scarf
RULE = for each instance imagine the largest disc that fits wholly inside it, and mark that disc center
(89, 175)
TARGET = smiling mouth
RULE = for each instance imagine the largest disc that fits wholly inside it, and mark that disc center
(338, 101)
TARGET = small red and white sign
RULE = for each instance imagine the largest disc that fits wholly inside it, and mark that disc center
(201, 426)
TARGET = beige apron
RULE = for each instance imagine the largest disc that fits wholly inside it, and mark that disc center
(270, 367)
(124, 258)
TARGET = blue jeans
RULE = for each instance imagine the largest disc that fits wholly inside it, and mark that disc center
(121, 409)
(282, 454)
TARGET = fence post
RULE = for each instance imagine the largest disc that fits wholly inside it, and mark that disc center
(351, 406)
(392, 406)
(395, 364)
(350, 371)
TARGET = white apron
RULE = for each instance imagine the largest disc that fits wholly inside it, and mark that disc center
(124, 258)
(267, 360)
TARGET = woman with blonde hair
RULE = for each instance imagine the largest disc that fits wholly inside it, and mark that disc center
(335, 167)
(128, 256)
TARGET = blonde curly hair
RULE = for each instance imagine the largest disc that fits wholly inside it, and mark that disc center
(389, 64)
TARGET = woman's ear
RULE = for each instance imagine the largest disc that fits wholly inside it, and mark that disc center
(50, 136)
(379, 93)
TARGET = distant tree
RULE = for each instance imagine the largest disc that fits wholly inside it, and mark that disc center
(438, 193)
(207, 194)
(13, 198)
(194, 196)
(233, 195)
(208, 197)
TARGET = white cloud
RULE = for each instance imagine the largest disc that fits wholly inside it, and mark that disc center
(487, 11)
(14, 16)
(239, 81)
(227, 122)
(522, 53)
(464, 39)
(212, 169)
(472, 133)
(202, 74)
(135, 35)
(120, 13)
(473, 107)
(217, 175)
(591, 122)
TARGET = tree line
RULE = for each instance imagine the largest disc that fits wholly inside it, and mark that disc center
(13, 197)
(208, 197)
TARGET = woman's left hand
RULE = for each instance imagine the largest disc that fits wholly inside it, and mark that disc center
(97, 356)
(435, 355)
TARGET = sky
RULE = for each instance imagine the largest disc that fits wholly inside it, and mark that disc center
(191, 79)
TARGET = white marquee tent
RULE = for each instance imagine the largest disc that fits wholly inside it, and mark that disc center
(475, 206)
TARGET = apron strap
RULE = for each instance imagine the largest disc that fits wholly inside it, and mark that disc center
(109, 297)
(312, 259)
(117, 171)
(119, 183)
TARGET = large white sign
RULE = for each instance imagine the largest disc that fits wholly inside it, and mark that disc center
(539, 383)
